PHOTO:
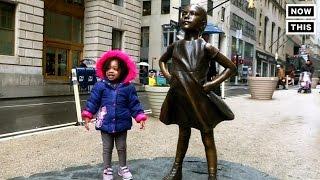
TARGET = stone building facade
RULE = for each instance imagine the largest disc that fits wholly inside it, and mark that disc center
(22, 42)
(45, 39)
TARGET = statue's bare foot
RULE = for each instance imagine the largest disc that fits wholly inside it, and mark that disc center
(212, 173)
(212, 177)
(175, 173)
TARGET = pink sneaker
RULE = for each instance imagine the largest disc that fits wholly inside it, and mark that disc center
(108, 174)
(125, 173)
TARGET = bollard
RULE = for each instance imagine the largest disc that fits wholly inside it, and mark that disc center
(287, 85)
(222, 90)
(76, 96)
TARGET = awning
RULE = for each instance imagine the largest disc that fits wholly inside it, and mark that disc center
(212, 29)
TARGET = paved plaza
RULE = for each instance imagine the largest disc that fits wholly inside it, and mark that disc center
(269, 139)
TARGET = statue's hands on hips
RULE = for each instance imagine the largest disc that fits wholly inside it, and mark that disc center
(207, 87)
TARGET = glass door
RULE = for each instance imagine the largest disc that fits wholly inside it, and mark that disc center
(76, 55)
(264, 69)
(56, 63)
(50, 62)
(62, 62)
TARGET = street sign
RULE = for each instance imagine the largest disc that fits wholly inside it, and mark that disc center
(173, 23)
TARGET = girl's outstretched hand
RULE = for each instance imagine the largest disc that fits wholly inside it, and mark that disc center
(86, 123)
(142, 124)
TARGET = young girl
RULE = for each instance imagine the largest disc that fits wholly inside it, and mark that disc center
(117, 102)
(189, 102)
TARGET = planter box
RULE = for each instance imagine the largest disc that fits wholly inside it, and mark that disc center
(315, 82)
(262, 87)
(156, 96)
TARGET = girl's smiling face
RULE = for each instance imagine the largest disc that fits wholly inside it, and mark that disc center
(192, 18)
(113, 71)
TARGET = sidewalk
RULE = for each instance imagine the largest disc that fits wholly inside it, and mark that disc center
(269, 139)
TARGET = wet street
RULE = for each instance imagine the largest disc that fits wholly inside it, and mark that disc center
(32, 113)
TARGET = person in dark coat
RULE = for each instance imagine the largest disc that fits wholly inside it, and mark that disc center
(308, 67)
(82, 64)
(115, 101)
(189, 102)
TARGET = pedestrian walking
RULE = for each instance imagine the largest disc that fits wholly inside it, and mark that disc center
(115, 101)
(282, 77)
(308, 67)
(189, 101)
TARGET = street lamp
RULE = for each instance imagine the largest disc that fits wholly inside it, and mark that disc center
(154, 58)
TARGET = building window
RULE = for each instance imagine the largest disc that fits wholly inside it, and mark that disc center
(272, 35)
(265, 32)
(210, 6)
(72, 27)
(260, 38)
(116, 39)
(248, 51)
(165, 7)
(249, 30)
(7, 28)
(185, 3)
(169, 36)
(243, 5)
(144, 36)
(234, 49)
(236, 22)
(223, 12)
(278, 40)
(76, 2)
(118, 2)
(260, 19)
(144, 46)
(273, 71)
(264, 69)
(146, 8)
(259, 67)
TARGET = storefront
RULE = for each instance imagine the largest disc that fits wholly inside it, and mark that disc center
(245, 58)
(266, 65)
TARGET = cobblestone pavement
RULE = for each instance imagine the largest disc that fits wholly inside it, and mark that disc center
(269, 139)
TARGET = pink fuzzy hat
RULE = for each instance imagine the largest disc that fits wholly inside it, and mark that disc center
(120, 55)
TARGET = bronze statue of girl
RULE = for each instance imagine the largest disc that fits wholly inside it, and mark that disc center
(190, 103)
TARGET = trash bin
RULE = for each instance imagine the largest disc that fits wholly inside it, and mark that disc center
(90, 77)
(86, 77)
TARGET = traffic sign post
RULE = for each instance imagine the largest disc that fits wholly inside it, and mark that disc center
(76, 96)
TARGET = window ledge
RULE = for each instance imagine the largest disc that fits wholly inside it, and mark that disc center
(5, 59)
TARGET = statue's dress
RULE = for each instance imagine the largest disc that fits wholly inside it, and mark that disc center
(187, 104)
